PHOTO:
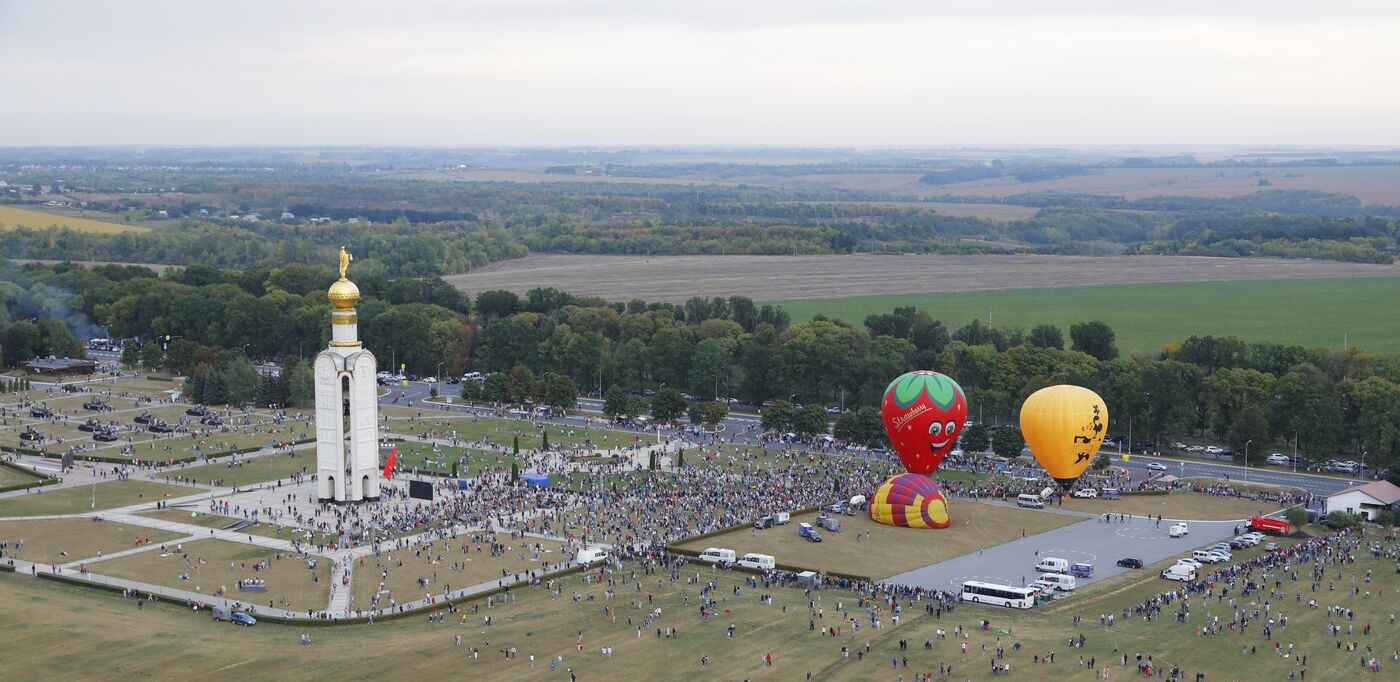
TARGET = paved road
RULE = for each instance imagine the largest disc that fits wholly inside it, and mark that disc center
(1091, 540)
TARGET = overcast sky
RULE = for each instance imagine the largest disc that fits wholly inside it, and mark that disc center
(797, 72)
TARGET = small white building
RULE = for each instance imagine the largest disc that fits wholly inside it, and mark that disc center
(1366, 499)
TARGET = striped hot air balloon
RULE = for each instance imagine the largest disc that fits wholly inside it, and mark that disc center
(910, 501)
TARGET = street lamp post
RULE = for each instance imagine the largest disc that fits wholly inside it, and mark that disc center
(1362, 473)
(1246, 460)
(1295, 451)
(438, 374)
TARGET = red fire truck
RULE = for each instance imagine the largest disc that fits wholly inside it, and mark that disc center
(1266, 524)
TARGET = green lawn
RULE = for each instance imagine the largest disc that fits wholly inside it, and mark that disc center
(59, 541)
(122, 642)
(1146, 316)
(501, 431)
(250, 470)
(9, 477)
(215, 564)
(422, 455)
(79, 499)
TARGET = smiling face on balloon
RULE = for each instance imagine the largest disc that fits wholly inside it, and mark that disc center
(923, 413)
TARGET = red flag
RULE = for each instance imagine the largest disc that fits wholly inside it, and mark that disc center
(389, 466)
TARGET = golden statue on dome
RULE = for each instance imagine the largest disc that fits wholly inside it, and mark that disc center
(345, 259)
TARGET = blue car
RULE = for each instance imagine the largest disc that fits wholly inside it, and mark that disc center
(243, 619)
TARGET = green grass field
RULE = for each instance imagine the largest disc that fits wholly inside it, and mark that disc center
(59, 541)
(121, 642)
(1146, 316)
(251, 469)
(11, 217)
(79, 499)
(215, 564)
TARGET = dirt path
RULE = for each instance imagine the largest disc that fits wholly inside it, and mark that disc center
(678, 278)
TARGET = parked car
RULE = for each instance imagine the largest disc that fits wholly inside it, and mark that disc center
(1271, 547)
(838, 508)
(1212, 450)
(243, 619)
(765, 522)
(1196, 448)
(1189, 562)
(1279, 458)
(1088, 493)
(1130, 562)
(807, 531)
(1180, 446)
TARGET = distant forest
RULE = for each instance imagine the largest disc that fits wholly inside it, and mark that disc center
(400, 226)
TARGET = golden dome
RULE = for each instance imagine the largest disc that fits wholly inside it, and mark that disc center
(343, 294)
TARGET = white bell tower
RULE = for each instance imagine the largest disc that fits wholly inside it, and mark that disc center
(347, 407)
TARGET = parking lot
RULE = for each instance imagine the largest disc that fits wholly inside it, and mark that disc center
(1090, 541)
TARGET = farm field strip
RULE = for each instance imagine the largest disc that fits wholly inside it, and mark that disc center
(783, 278)
(1146, 316)
(11, 217)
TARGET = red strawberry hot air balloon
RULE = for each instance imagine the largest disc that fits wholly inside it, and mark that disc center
(923, 412)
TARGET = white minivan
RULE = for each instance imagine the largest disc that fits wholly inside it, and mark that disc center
(763, 562)
(591, 554)
(1178, 530)
(718, 555)
(1053, 565)
(1181, 572)
(1058, 581)
(1032, 501)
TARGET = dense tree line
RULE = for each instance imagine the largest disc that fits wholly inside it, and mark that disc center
(548, 345)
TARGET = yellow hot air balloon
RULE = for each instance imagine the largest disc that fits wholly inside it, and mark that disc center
(1064, 427)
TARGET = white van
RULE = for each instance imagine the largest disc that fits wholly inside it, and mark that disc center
(1181, 572)
(1032, 501)
(591, 555)
(473, 376)
(718, 555)
(1178, 530)
(1058, 581)
(763, 562)
(1052, 565)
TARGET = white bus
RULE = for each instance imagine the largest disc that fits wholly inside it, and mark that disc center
(998, 595)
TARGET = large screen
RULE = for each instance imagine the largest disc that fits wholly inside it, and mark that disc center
(420, 490)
